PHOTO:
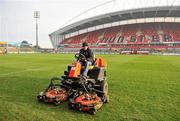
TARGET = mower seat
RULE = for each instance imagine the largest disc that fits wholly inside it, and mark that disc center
(90, 67)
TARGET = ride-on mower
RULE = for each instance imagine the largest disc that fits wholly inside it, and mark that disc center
(84, 93)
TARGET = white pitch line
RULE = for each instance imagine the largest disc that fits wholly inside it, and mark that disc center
(27, 70)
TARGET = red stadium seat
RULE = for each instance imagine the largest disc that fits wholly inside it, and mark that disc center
(135, 34)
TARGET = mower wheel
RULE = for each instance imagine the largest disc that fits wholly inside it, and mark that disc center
(107, 99)
(104, 89)
(71, 106)
(40, 97)
(57, 103)
(39, 100)
(92, 111)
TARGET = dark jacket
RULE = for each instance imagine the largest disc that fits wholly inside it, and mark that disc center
(88, 54)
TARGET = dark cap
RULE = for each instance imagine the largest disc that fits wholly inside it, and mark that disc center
(84, 44)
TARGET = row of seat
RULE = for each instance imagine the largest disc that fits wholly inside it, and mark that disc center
(135, 33)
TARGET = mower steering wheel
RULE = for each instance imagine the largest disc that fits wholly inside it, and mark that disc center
(80, 56)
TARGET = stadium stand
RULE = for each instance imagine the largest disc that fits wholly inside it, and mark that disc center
(131, 34)
(143, 29)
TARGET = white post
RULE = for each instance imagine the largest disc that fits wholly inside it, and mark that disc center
(37, 16)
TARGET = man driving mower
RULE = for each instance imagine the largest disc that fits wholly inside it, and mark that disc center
(84, 93)
(87, 52)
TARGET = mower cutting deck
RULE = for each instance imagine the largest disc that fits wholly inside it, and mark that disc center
(88, 102)
(54, 93)
(84, 93)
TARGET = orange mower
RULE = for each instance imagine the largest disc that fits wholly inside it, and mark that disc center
(84, 94)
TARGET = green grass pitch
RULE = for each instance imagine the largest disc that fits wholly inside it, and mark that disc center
(141, 88)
